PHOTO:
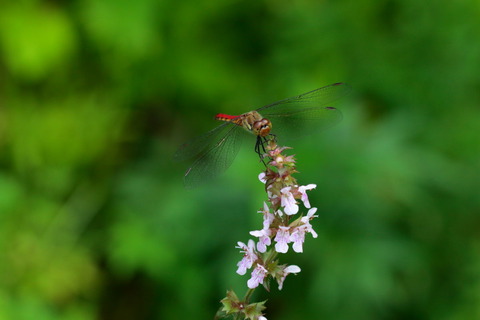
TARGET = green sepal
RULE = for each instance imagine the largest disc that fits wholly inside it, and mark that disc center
(254, 310)
(231, 303)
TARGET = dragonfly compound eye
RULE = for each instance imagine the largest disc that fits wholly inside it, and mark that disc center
(262, 128)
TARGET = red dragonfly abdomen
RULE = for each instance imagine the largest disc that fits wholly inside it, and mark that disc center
(225, 117)
(229, 118)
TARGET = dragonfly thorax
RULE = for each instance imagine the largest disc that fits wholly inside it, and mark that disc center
(252, 121)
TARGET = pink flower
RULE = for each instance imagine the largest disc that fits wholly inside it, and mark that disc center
(275, 152)
(288, 201)
(282, 238)
(264, 234)
(298, 234)
(286, 272)
(262, 177)
(265, 209)
(258, 275)
(277, 161)
(306, 222)
(263, 239)
(298, 237)
(267, 216)
(303, 192)
(249, 256)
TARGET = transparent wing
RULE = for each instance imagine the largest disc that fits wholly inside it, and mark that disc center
(305, 114)
(216, 158)
(321, 97)
(196, 146)
(303, 122)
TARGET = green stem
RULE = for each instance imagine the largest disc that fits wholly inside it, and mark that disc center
(271, 256)
(248, 295)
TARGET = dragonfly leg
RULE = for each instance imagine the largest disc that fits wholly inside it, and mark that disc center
(260, 148)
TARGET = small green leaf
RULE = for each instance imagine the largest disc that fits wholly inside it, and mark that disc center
(231, 303)
(254, 310)
(266, 284)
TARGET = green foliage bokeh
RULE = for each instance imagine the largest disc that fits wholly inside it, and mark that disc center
(95, 97)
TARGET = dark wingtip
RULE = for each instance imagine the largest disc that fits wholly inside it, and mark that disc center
(332, 108)
(346, 87)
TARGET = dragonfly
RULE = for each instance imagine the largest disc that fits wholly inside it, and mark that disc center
(286, 119)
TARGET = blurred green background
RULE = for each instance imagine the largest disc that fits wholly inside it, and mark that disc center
(95, 97)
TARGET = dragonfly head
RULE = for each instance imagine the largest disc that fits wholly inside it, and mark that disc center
(262, 127)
